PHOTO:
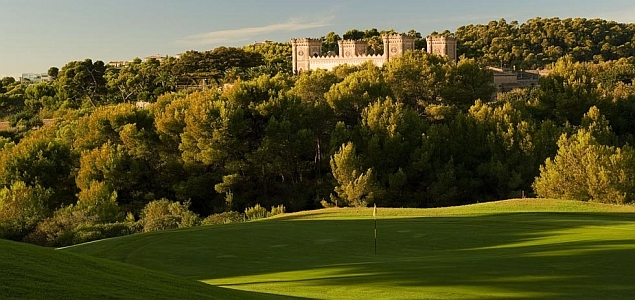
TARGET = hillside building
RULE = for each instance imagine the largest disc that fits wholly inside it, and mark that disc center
(307, 52)
(506, 80)
(443, 46)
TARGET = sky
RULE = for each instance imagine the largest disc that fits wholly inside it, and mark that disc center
(38, 34)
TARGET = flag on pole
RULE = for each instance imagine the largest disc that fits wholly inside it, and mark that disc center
(375, 218)
(375, 211)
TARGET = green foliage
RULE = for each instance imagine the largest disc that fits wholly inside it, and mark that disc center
(41, 96)
(44, 160)
(195, 67)
(416, 78)
(586, 170)
(21, 208)
(137, 81)
(468, 81)
(82, 83)
(164, 214)
(91, 219)
(256, 212)
(349, 97)
(276, 210)
(276, 58)
(224, 218)
(230, 128)
(101, 201)
(541, 41)
(354, 187)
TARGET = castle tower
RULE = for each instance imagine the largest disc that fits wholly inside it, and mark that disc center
(443, 46)
(350, 48)
(302, 50)
(396, 45)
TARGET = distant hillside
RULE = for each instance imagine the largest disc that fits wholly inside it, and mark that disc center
(539, 42)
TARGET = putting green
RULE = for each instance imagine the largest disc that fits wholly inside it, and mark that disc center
(531, 249)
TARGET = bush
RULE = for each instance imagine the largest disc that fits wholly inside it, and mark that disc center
(164, 214)
(21, 208)
(86, 232)
(100, 200)
(57, 231)
(256, 212)
(585, 170)
(276, 210)
(71, 225)
(224, 218)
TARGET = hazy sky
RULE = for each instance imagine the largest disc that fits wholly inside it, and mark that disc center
(35, 35)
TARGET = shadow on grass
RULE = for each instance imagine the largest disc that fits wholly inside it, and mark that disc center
(517, 255)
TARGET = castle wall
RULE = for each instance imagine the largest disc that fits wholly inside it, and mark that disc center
(442, 45)
(306, 53)
(328, 63)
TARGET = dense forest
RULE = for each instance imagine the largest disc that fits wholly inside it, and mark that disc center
(156, 145)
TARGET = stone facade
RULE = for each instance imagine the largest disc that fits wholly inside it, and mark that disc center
(443, 46)
(506, 80)
(307, 52)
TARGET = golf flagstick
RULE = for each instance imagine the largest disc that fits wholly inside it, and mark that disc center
(375, 217)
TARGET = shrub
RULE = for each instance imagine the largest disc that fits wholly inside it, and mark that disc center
(58, 230)
(276, 210)
(585, 170)
(164, 214)
(224, 218)
(100, 200)
(87, 232)
(21, 208)
(87, 221)
(256, 212)
(327, 204)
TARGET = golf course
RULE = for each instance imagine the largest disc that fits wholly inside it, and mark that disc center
(514, 249)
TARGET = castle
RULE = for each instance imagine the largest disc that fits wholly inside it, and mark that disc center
(307, 52)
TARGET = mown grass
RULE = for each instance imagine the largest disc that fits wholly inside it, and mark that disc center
(32, 272)
(524, 249)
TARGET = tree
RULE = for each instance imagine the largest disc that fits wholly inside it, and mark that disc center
(41, 95)
(53, 72)
(137, 81)
(354, 34)
(416, 78)
(276, 58)
(99, 200)
(193, 67)
(354, 187)
(21, 208)
(330, 42)
(40, 159)
(390, 133)
(80, 81)
(542, 41)
(164, 214)
(467, 82)
(349, 97)
(7, 81)
(587, 171)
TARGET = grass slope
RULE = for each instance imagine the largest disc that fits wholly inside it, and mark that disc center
(525, 249)
(32, 272)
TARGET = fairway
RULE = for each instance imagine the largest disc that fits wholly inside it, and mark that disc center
(516, 249)
(32, 272)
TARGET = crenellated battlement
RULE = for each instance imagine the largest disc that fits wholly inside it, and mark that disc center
(305, 40)
(443, 45)
(307, 52)
(352, 57)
